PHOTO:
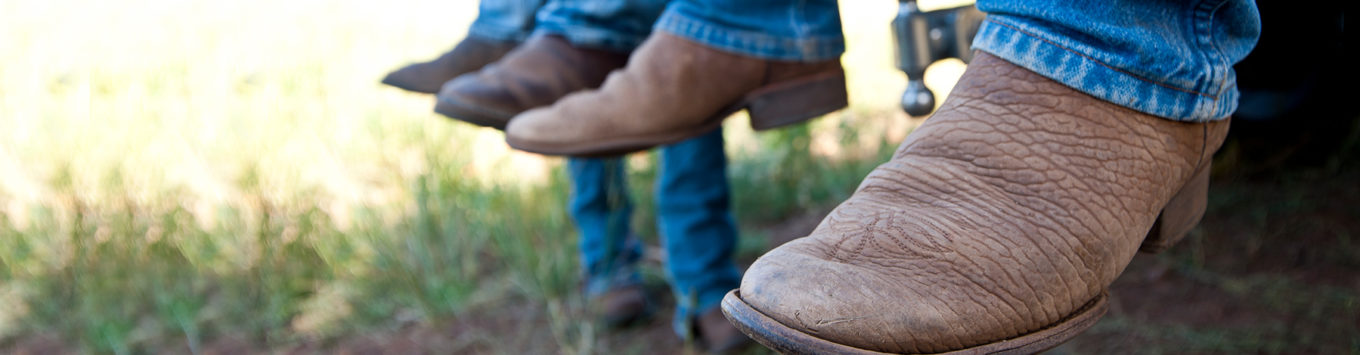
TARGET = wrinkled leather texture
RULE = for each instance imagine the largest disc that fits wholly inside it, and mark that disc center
(670, 84)
(468, 56)
(536, 74)
(1017, 203)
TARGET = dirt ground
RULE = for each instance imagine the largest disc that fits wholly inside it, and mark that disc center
(1273, 268)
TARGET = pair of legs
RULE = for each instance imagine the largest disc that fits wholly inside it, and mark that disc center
(574, 43)
(692, 198)
(698, 234)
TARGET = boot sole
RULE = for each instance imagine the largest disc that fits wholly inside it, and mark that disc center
(771, 106)
(786, 340)
(470, 113)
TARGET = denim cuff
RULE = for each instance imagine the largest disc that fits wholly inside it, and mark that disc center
(754, 44)
(1075, 64)
(593, 38)
(488, 31)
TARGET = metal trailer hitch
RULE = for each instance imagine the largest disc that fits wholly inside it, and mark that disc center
(923, 37)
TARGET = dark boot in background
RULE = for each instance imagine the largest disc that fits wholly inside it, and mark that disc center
(538, 73)
(469, 55)
(621, 306)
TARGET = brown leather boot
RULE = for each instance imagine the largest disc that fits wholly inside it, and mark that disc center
(537, 74)
(997, 226)
(675, 89)
(718, 335)
(469, 55)
(621, 306)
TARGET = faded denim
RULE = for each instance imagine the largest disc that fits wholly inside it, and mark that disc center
(693, 208)
(808, 30)
(505, 20)
(805, 30)
(1169, 58)
(600, 24)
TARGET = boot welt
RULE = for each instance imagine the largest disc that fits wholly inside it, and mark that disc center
(474, 114)
(616, 146)
(771, 106)
(787, 340)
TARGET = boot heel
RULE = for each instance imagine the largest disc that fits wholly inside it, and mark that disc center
(797, 101)
(1180, 215)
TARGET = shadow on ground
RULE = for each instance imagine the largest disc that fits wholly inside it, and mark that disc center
(1273, 268)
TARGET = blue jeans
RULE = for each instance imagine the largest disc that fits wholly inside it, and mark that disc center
(808, 30)
(617, 25)
(693, 209)
(805, 30)
(1169, 58)
(505, 20)
(698, 232)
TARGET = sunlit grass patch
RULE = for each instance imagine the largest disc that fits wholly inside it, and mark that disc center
(175, 172)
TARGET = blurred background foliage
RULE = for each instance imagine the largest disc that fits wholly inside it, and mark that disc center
(176, 172)
(228, 176)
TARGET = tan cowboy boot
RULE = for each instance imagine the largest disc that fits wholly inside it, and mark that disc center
(469, 55)
(675, 89)
(536, 74)
(997, 226)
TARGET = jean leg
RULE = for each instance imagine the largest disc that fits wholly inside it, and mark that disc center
(601, 208)
(697, 229)
(802, 30)
(618, 25)
(1169, 58)
(505, 20)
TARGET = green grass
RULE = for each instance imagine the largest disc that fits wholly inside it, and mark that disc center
(177, 173)
(183, 176)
